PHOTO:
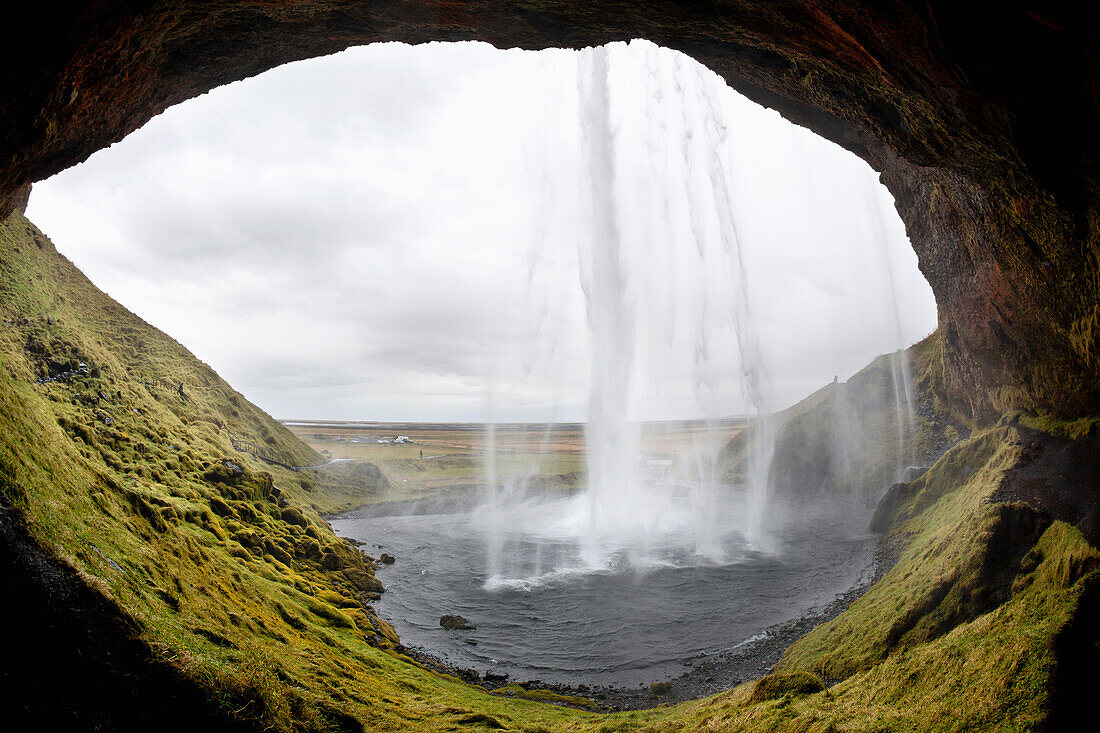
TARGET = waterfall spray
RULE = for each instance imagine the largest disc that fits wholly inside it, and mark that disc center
(659, 207)
(493, 527)
(899, 360)
(616, 494)
(724, 254)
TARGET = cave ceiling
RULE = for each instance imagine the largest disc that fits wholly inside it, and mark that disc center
(981, 118)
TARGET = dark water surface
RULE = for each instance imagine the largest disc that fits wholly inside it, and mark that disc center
(630, 621)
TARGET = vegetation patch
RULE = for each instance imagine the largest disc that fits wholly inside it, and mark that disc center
(775, 686)
(223, 573)
(846, 439)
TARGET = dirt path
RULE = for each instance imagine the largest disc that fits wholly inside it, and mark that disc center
(326, 464)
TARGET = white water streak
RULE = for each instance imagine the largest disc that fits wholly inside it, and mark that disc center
(613, 485)
(664, 248)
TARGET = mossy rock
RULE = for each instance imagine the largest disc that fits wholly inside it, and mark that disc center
(335, 599)
(659, 688)
(331, 614)
(293, 515)
(224, 471)
(272, 548)
(795, 684)
(240, 552)
(385, 630)
(221, 508)
(248, 538)
(307, 549)
(364, 581)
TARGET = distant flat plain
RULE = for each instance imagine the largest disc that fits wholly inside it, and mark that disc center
(441, 456)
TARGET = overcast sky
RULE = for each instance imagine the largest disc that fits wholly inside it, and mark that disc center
(399, 233)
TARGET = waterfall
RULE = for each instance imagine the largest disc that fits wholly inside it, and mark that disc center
(726, 256)
(657, 201)
(493, 527)
(610, 315)
(693, 153)
(899, 361)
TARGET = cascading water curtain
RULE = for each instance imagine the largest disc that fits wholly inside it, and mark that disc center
(610, 314)
(676, 201)
(681, 140)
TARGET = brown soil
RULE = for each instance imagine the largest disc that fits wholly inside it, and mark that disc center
(1060, 478)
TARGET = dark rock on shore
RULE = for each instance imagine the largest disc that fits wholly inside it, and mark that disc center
(659, 688)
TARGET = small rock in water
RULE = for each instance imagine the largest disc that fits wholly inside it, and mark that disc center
(387, 559)
(471, 642)
(455, 623)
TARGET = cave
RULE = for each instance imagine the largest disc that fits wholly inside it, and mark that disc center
(982, 122)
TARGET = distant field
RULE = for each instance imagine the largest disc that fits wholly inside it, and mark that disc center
(438, 456)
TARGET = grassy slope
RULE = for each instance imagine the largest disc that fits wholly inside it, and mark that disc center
(844, 438)
(257, 601)
(266, 608)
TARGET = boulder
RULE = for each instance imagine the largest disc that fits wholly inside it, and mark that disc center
(455, 623)
(364, 581)
(659, 688)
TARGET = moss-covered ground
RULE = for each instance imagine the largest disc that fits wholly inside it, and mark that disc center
(850, 438)
(232, 579)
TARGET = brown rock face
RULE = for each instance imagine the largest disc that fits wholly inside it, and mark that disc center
(982, 121)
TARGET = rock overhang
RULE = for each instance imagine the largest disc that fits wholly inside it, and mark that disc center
(981, 121)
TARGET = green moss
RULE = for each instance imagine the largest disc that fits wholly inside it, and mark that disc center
(262, 609)
(775, 686)
(1071, 429)
(942, 525)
